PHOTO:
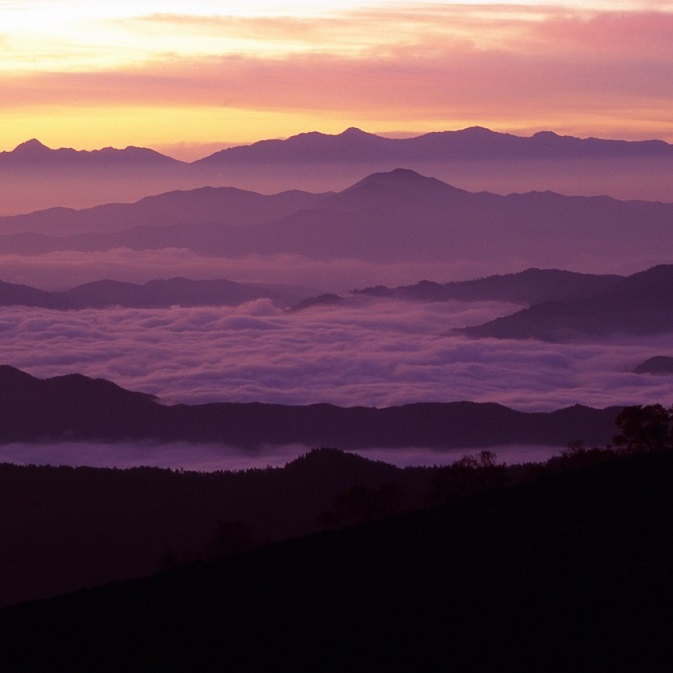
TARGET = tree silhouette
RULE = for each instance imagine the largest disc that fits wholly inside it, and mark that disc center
(644, 428)
(360, 504)
(470, 474)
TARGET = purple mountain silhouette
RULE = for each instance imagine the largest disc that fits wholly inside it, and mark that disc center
(531, 286)
(638, 304)
(205, 205)
(76, 407)
(398, 216)
(36, 154)
(470, 143)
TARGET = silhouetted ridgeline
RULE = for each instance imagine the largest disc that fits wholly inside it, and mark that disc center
(565, 573)
(75, 407)
(471, 143)
(531, 286)
(352, 145)
(63, 528)
(395, 216)
(638, 304)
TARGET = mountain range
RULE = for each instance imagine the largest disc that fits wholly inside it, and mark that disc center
(476, 158)
(396, 216)
(353, 144)
(475, 142)
(77, 408)
(34, 154)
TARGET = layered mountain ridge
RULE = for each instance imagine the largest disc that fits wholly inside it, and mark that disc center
(395, 216)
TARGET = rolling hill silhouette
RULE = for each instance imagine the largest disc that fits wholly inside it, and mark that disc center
(76, 408)
(205, 205)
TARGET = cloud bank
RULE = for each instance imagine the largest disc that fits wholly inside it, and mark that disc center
(371, 353)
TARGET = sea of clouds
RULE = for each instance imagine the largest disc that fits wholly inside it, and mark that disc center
(370, 352)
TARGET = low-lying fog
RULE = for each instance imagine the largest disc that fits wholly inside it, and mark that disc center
(370, 352)
(212, 457)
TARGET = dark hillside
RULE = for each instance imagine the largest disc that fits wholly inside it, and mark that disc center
(570, 572)
(63, 528)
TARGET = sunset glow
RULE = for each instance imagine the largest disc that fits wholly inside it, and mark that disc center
(154, 72)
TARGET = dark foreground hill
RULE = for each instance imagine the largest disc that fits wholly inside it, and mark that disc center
(77, 408)
(566, 573)
(64, 528)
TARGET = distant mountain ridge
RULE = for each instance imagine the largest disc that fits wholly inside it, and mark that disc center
(33, 152)
(78, 408)
(154, 294)
(38, 177)
(204, 205)
(395, 216)
(354, 144)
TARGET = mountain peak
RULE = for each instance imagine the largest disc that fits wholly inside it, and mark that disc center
(397, 176)
(354, 132)
(401, 181)
(32, 147)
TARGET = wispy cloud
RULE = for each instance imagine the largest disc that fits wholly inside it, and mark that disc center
(525, 64)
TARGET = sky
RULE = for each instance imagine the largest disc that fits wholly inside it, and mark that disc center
(174, 74)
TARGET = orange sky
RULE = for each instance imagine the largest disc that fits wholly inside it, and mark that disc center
(158, 73)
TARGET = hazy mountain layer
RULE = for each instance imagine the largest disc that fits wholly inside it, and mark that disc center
(207, 205)
(155, 294)
(395, 217)
(36, 176)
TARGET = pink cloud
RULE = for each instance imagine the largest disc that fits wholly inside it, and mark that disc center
(558, 65)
